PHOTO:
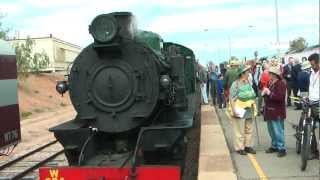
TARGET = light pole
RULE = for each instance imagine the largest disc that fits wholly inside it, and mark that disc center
(229, 47)
(277, 29)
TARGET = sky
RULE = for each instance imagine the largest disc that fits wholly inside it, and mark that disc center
(214, 29)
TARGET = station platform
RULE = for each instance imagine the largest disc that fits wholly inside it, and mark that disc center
(214, 157)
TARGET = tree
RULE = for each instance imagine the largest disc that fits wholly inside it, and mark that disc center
(3, 31)
(27, 61)
(298, 44)
(233, 58)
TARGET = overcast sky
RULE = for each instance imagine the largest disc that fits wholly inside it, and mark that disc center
(209, 27)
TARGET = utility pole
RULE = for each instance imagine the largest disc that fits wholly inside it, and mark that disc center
(277, 29)
(229, 47)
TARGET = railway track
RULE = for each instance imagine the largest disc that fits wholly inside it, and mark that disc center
(21, 166)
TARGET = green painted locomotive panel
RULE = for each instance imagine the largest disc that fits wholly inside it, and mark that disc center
(190, 65)
(151, 39)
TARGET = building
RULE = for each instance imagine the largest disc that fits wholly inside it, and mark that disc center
(60, 52)
(303, 54)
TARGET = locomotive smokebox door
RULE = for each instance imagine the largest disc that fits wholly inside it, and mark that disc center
(115, 93)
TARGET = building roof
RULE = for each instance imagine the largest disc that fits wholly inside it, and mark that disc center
(50, 37)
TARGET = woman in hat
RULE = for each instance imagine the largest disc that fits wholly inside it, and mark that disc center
(242, 109)
(275, 111)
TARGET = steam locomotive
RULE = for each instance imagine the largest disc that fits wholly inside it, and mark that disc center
(137, 99)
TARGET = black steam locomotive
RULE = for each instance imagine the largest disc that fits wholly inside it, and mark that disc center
(136, 98)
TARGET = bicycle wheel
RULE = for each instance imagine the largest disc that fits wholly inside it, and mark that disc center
(298, 134)
(306, 146)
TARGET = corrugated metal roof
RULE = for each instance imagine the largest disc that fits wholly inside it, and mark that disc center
(5, 48)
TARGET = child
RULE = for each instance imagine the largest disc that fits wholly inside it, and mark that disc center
(221, 99)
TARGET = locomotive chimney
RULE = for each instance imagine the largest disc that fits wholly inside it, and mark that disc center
(127, 24)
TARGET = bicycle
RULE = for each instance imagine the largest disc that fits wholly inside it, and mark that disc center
(305, 130)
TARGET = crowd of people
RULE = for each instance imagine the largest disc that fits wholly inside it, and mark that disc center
(262, 87)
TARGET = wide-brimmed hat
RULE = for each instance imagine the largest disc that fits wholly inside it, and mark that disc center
(274, 62)
(305, 65)
(234, 62)
(243, 68)
(275, 70)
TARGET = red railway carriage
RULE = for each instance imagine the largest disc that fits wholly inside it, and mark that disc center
(9, 109)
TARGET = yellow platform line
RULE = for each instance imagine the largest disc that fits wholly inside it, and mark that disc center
(253, 160)
(257, 167)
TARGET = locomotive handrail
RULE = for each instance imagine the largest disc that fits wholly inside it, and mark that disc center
(81, 156)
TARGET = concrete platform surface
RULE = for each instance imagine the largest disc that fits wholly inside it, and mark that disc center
(214, 158)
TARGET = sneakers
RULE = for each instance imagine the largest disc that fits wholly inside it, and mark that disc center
(271, 150)
(282, 153)
(249, 150)
(242, 152)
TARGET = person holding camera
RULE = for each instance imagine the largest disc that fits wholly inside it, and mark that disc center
(275, 110)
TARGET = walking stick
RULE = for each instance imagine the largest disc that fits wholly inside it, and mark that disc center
(255, 122)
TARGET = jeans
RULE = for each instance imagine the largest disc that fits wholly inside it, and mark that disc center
(276, 132)
(221, 101)
(213, 90)
(204, 93)
(289, 89)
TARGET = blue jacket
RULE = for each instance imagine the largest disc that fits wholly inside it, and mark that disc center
(220, 86)
(303, 81)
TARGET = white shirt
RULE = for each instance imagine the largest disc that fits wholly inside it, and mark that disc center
(314, 86)
(250, 79)
(257, 74)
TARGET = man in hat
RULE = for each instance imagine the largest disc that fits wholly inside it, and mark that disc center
(230, 76)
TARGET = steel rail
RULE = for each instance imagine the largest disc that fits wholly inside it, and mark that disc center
(35, 166)
(5, 165)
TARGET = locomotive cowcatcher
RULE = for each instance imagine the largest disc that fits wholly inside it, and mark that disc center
(136, 99)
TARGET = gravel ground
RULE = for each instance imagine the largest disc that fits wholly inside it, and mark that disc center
(35, 131)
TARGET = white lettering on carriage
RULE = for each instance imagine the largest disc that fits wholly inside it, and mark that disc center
(11, 136)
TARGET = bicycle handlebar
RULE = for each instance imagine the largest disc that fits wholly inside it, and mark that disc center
(304, 100)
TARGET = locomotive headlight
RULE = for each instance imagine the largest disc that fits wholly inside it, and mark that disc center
(103, 28)
(62, 87)
(165, 81)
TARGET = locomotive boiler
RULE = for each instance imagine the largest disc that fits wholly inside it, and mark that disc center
(136, 99)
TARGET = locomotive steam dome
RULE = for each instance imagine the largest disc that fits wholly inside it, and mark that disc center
(115, 93)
